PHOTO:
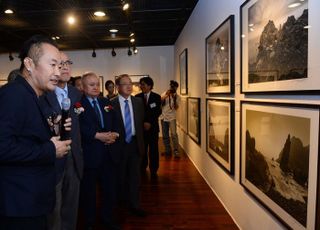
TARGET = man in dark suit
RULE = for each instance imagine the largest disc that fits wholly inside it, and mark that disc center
(98, 133)
(27, 150)
(152, 103)
(130, 146)
(68, 169)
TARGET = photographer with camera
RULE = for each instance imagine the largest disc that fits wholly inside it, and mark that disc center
(170, 103)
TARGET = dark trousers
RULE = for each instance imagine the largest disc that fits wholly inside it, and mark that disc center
(129, 172)
(151, 155)
(105, 177)
(23, 223)
(65, 212)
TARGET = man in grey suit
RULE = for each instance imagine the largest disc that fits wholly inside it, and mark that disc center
(130, 111)
(68, 169)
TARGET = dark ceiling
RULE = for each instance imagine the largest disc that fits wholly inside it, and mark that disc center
(154, 22)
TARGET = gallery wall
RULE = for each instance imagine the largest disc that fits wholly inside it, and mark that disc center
(246, 211)
(157, 61)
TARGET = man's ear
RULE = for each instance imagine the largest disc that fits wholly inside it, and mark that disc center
(28, 63)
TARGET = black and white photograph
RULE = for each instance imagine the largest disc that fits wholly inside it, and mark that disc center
(194, 127)
(275, 42)
(279, 158)
(182, 115)
(220, 132)
(183, 65)
(220, 58)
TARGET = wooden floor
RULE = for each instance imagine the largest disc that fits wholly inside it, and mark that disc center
(178, 199)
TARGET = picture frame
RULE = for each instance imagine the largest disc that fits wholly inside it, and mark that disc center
(3, 82)
(220, 132)
(101, 82)
(183, 66)
(182, 115)
(279, 160)
(194, 119)
(220, 60)
(276, 37)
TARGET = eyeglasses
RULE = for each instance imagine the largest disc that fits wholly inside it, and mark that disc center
(67, 63)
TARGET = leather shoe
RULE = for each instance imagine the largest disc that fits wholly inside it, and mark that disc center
(138, 212)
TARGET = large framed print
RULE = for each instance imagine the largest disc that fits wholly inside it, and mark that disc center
(194, 127)
(279, 46)
(220, 58)
(3, 82)
(220, 132)
(182, 115)
(279, 160)
(183, 65)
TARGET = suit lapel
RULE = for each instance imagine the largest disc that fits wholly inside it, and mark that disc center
(53, 101)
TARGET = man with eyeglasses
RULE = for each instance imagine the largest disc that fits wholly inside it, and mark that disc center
(68, 169)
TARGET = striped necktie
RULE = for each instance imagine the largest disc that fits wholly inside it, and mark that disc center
(127, 122)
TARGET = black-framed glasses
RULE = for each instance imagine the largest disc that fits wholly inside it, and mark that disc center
(67, 63)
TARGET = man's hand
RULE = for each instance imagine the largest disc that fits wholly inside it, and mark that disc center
(62, 147)
(67, 124)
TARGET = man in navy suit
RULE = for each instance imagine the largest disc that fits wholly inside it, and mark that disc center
(152, 103)
(27, 150)
(130, 146)
(98, 133)
(68, 169)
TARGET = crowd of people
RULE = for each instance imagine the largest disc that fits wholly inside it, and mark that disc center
(50, 163)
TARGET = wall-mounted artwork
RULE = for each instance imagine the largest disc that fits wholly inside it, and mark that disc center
(194, 119)
(220, 132)
(183, 65)
(182, 115)
(101, 82)
(279, 159)
(220, 58)
(276, 37)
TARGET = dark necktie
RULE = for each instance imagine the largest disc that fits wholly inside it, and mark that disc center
(127, 122)
(145, 99)
(95, 106)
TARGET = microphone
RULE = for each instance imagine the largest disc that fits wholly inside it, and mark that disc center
(65, 114)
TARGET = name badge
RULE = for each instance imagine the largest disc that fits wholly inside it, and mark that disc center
(153, 105)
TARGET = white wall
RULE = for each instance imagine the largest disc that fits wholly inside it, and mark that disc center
(206, 17)
(157, 61)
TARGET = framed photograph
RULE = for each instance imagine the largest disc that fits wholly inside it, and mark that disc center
(277, 46)
(183, 64)
(220, 58)
(194, 119)
(220, 132)
(3, 82)
(279, 160)
(101, 84)
(182, 115)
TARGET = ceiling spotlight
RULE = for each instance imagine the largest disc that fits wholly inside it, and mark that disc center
(99, 13)
(113, 31)
(125, 6)
(131, 34)
(11, 58)
(8, 11)
(94, 53)
(129, 52)
(113, 52)
(132, 40)
(135, 50)
(71, 20)
(293, 5)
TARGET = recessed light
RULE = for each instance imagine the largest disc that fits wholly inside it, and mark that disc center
(8, 11)
(293, 5)
(307, 27)
(132, 40)
(113, 31)
(251, 25)
(132, 34)
(71, 20)
(125, 6)
(99, 13)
